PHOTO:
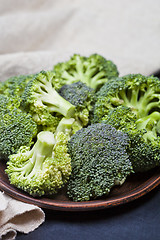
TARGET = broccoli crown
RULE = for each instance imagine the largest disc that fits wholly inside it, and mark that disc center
(121, 118)
(43, 169)
(8, 103)
(82, 97)
(44, 102)
(99, 161)
(140, 93)
(144, 148)
(94, 70)
(15, 86)
(16, 127)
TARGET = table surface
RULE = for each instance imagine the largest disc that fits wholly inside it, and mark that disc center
(137, 220)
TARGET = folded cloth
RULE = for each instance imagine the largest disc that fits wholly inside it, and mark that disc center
(126, 32)
(16, 216)
(27, 63)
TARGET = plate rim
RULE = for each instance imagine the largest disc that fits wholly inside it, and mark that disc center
(61, 205)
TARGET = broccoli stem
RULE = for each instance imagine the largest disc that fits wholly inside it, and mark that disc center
(26, 169)
(53, 101)
(65, 126)
(98, 79)
(79, 68)
(149, 124)
(134, 97)
(140, 106)
(70, 79)
(42, 149)
(143, 103)
(90, 72)
(125, 99)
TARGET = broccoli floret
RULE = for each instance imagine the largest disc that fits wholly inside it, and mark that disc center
(144, 147)
(94, 70)
(140, 93)
(43, 102)
(8, 103)
(15, 86)
(68, 126)
(121, 118)
(99, 161)
(82, 97)
(16, 127)
(43, 169)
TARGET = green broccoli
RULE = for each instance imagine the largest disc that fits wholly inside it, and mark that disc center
(16, 127)
(121, 118)
(82, 97)
(14, 86)
(44, 168)
(94, 71)
(68, 126)
(8, 103)
(99, 161)
(43, 102)
(140, 93)
(144, 147)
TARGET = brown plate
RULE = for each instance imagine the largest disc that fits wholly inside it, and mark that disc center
(136, 186)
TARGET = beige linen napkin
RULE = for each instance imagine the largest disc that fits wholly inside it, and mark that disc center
(125, 31)
(18, 216)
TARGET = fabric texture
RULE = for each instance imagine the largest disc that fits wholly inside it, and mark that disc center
(125, 31)
(18, 216)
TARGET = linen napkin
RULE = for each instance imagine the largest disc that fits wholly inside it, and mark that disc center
(16, 216)
(125, 31)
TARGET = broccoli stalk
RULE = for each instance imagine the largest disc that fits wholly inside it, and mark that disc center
(68, 126)
(94, 71)
(41, 150)
(87, 72)
(50, 98)
(149, 123)
(141, 101)
(140, 93)
(95, 76)
(43, 169)
(40, 98)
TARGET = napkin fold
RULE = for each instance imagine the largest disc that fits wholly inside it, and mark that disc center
(17, 216)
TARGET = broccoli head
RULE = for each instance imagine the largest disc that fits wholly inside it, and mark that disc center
(99, 161)
(140, 93)
(14, 86)
(8, 103)
(43, 102)
(44, 168)
(94, 70)
(144, 147)
(16, 127)
(82, 97)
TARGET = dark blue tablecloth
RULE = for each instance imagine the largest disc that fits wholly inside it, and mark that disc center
(137, 220)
